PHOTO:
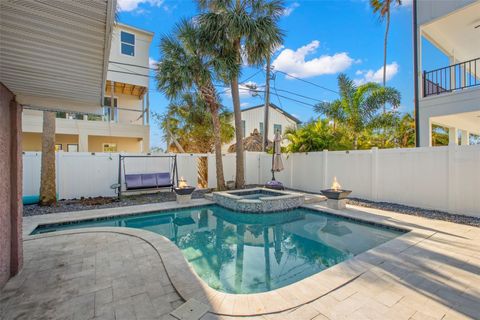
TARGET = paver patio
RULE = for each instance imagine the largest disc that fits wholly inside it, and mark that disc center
(107, 275)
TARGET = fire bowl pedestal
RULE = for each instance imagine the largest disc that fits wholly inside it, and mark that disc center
(336, 199)
(184, 194)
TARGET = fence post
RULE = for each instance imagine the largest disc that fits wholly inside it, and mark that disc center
(325, 168)
(451, 176)
(374, 168)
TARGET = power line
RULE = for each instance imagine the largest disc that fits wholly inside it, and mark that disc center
(306, 81)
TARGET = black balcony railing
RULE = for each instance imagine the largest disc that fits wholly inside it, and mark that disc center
(455, 77)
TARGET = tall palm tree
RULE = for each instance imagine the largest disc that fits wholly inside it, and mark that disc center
(189, 123)
(185, 66)
(383, 9)
(244, 30)
(357, 108)
(48, 190)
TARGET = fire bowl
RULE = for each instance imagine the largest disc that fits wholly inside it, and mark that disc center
(336, 194)
(184, 191)
(273, 184)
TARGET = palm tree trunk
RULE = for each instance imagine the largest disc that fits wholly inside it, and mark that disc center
(240, 170)
(203, 171)
(355, 141)
(208, 93)
(218, 149)
(47, 179)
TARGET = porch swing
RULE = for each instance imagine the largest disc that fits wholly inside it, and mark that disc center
(147, 182)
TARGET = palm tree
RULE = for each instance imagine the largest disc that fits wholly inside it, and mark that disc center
(383, 8)
(357, 108)
(183, 67)
(188, 123)
(241, 29)
(315, 135)
(47, 176)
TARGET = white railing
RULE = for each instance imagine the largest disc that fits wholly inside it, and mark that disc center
(442, 178)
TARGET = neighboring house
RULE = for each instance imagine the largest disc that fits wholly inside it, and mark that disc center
(123, 127)
(449, 96)
(253, 118)
(49, 53)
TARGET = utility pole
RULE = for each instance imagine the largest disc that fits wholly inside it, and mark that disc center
(267, 106)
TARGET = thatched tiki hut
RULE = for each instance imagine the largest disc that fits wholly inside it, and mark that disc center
(251, 143)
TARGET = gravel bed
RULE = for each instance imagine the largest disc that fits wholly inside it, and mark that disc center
(105, 202)
(419, 212)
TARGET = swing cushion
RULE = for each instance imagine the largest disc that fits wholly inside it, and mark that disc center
(133, 181)
(163, 179)
(149, 180)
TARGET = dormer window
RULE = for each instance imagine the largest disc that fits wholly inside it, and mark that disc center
(127, 42)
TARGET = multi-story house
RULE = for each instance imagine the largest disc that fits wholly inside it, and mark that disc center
(124, 124)
(447, 68)
(253, 118)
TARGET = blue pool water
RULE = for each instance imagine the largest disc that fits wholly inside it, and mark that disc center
(245, 253)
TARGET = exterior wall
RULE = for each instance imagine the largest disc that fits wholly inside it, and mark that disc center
(83, 129)
(429, 10)
(33, 141)
(11, 255)
(142, 45)
(95, 143)
(253, 117)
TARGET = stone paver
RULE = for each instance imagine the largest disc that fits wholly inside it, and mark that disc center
(89, 276)
(434, 273)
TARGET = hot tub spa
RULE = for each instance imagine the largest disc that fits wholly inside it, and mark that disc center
(259, 200)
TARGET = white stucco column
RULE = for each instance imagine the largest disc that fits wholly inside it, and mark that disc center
(452, 136)
(425, 131)
(83, 142)
(465, 140)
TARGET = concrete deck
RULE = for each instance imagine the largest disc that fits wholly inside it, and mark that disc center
(433, 272)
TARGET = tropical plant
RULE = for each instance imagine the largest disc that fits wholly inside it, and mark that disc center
(316, 135)
(187, 126)
(383, 9)
(185, 66)
(405, 131)
(439, 136)
(358, 106)
(48, 192)
(243, 30)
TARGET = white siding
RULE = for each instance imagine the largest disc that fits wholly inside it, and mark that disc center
(429, 10)
(142, 46)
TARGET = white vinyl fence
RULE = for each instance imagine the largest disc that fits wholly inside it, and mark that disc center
(442, 178)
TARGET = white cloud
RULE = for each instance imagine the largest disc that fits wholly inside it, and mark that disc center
(294, 63)
(132, 5)
(152, 63)
(288, 10)
(246, 90)
(377, 76)
(244, 104)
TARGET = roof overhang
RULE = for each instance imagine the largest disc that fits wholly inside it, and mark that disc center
(54, 54)
(456, 34)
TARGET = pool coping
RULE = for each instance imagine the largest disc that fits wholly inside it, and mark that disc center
(189, 285)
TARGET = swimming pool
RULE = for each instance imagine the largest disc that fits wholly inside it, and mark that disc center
(249, 253)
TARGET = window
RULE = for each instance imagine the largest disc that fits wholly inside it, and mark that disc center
(107, 110)
(58, 147)
(127, 42)
(261, 128)
(244, 129)
(72, 147)
(109, 147)
(277, 128)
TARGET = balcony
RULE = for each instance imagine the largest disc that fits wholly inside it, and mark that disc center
(455, 77)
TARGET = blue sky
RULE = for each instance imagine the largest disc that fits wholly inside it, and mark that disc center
(323, 38)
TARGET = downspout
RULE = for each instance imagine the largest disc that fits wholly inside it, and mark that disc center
(415, 74)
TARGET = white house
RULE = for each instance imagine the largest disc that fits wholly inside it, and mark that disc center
(449, 95)
(123, 125)
(253, 118)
